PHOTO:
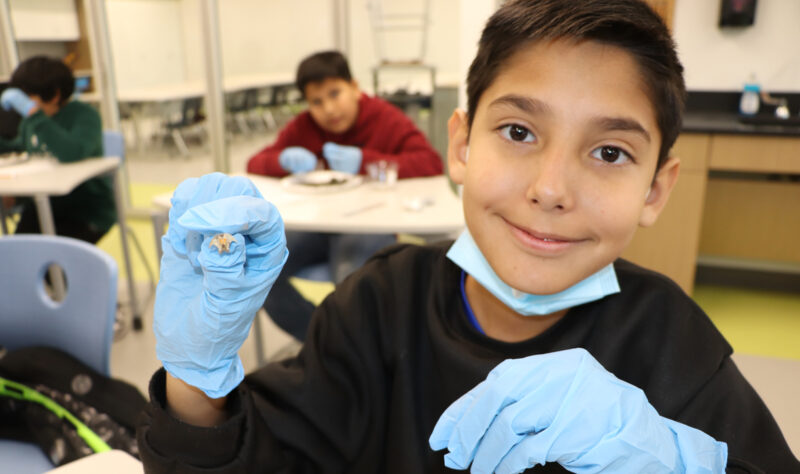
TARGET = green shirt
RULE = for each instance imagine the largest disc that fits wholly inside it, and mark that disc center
(74, 133)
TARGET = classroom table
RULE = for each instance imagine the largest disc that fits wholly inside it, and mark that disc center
(420, 206)
(41, 178)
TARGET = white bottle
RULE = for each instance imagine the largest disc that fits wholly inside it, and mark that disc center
(750, 101)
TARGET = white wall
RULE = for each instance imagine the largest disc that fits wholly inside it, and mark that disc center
(271, 36)
(722, 59)
(158, 41)
(442, 44)
(146, 41)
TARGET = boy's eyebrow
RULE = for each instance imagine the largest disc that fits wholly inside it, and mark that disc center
(622, 123)
(526, 104)
(533, 106)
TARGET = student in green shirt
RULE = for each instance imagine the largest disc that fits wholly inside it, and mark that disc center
(40, 90)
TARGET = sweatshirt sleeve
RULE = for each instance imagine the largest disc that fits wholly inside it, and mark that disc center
(321, 412)
(14, 144)
(407, 146)
(67, 145)
(728, 409)
(265, 162)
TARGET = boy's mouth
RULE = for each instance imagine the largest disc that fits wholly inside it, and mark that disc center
(542, 240)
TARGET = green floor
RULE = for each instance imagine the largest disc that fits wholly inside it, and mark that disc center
(754, 322)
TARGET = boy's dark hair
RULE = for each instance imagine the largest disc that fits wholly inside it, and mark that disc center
(628, 24)
(44, 76)
(321, 66)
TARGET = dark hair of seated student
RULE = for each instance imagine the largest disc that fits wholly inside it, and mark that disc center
(321, 66)
(44, 77)
(625, 25)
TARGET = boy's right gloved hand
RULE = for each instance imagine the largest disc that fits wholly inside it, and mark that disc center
(297, 159)
(14, 98)
(206, 298)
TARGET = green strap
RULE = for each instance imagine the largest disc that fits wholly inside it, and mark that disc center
(22, 392)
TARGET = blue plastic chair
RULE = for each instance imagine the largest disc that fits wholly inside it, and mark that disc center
(81, 324)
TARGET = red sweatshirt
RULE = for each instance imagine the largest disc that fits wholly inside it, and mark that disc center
(381, 130)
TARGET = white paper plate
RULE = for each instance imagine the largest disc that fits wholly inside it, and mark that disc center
(8, 159)
(321, 181)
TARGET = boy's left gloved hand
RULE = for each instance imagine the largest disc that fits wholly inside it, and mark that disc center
(564, 407)
(18, 100)
(342, 158)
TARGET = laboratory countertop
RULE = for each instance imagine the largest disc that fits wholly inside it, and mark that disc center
(717, 112)
(710, 122)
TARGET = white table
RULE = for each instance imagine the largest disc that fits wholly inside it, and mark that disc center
(116, 461)
(364, 209)
(42, 178)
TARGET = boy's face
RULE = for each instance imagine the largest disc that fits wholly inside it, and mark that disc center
(558, 165)
(49, 107)
(333, 103)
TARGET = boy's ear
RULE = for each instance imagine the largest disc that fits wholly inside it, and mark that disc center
(457, 133)
(355, 85)
(656, 199)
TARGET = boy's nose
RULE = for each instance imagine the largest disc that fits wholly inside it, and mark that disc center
(549, 182)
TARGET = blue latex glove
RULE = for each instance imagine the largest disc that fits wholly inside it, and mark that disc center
(14, 98)
(565, 407)
(297, 159)
(205, 300)
(342, 158)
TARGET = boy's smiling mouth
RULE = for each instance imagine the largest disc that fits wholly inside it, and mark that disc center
(542, 241)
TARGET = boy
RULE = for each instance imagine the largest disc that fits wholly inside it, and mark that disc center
(573, 107)
(344, 130)
(40, 91)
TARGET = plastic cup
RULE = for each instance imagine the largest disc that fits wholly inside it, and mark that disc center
(382, 173)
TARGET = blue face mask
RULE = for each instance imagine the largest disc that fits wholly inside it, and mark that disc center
(466, 254)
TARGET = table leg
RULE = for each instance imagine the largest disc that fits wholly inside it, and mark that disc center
(3, 225)
(47, 226)
(123, 234)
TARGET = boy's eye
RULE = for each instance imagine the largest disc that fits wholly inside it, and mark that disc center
(516, 133)
(334, 93)
(611, 154)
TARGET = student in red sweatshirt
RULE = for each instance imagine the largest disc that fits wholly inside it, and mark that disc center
(343, 130)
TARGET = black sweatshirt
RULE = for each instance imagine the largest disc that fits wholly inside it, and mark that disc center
(392, 348)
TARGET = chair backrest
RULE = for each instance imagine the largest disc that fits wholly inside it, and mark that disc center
(113, 144)
(82, 323)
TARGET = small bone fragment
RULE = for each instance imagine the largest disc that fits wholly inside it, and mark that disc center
(222, 242)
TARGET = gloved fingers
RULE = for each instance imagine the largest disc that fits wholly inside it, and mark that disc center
(443, 431)
(530, 451)
(498, 439)
(330, 149)
(195, 191)
(255, 218)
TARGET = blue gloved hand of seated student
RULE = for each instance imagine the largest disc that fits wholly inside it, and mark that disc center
(342, 158)
(564, 407)
(14, 98)
(207, 295)
(296, 159)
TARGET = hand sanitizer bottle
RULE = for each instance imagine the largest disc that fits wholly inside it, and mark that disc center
(750, 101)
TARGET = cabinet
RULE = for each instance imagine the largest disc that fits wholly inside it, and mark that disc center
(671, 245)
(57, 28)
(44, 20)
(747, 213)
